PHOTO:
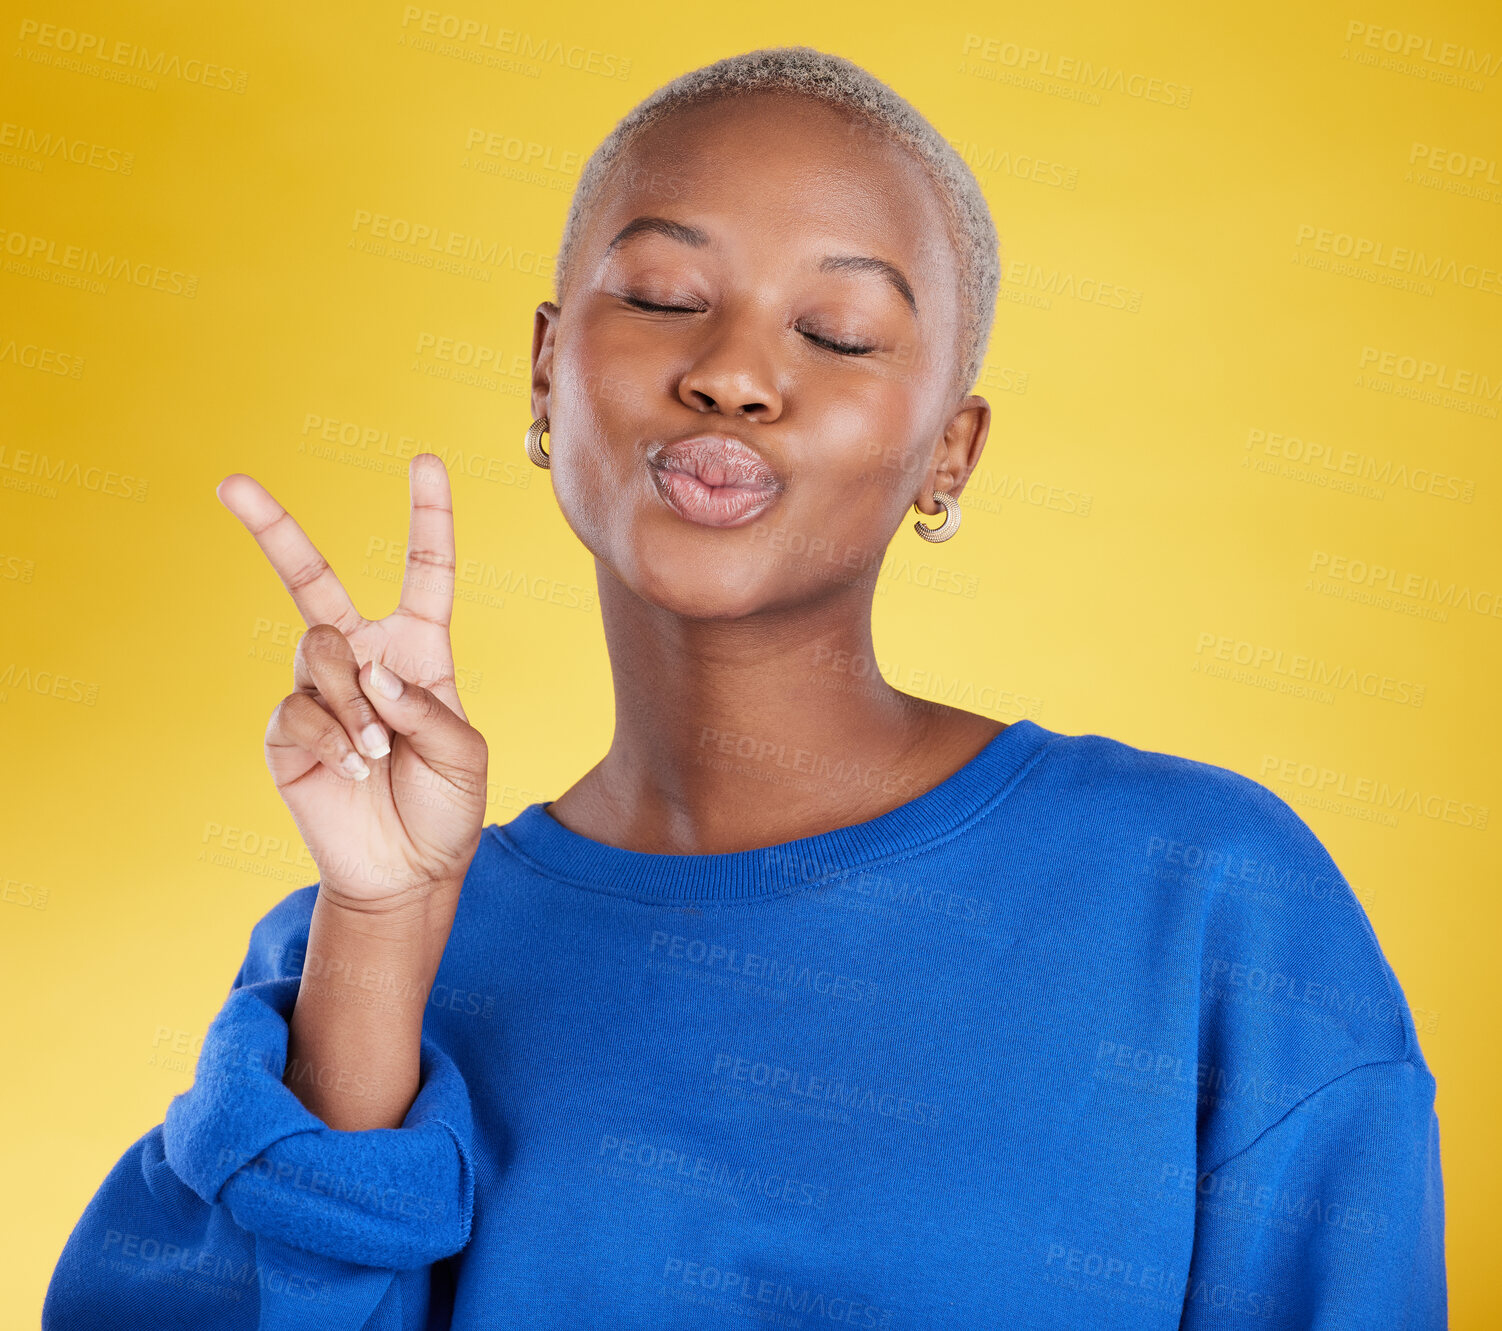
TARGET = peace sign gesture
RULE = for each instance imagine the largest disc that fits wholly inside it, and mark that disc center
(406, 818)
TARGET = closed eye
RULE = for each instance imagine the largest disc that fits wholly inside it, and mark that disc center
(843, 348)
(674, 309)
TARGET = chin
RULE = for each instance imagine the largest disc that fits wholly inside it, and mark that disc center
(693, 579)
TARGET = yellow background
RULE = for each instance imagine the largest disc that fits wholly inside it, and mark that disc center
(146, 639)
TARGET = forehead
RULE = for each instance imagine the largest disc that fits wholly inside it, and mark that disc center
(784, 176)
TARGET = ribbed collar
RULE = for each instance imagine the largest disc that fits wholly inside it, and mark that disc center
(962, 797)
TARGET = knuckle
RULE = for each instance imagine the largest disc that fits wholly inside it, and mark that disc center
(424, 557)
(330, 738)
(324, 655)
(307, 572)
(323, 634)
(322, 642)
(432, 708)
(323, 736)
(300, 719)
(284, 714)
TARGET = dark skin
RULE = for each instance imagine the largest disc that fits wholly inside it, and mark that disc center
(748, 710)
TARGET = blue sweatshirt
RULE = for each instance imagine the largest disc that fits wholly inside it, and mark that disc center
(1084, 1036)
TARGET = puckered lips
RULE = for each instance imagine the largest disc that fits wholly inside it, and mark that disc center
(715, 480)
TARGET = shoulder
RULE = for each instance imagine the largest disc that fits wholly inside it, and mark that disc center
(1292, 990)
(1156, 781)
(1286, 954)
(1194, 820)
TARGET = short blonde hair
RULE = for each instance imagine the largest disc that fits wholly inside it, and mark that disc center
(841, 83)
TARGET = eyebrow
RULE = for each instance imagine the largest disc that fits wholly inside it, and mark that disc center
(693, 236)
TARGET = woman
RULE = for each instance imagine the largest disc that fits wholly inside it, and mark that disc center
(812, 1002)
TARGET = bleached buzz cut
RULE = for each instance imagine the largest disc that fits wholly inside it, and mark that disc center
(843, 84)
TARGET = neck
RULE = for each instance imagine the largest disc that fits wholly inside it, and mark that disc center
(748, 732)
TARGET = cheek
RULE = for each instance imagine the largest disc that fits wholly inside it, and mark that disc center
(876, 463)
(840, 518)
(577, 489)
(607, 376)
(892, 471)
(598, 432)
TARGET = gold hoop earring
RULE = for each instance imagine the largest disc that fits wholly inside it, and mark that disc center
(534, 443)
(949, 526)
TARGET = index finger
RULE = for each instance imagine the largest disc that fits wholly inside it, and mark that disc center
(316, 591)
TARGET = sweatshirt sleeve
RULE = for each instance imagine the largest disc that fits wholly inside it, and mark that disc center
(1316, 1181)
(1333, 1219)
(244, 1210)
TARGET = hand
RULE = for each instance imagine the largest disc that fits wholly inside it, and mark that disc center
(413, 824)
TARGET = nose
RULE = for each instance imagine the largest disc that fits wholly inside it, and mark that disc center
(733, 373)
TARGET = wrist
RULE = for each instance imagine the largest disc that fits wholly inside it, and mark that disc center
(392, 950)
(400, 917)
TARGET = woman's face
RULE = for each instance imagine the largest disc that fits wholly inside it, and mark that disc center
(750, 380)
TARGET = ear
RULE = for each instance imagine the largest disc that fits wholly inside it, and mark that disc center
(958, 453)
(544, 333)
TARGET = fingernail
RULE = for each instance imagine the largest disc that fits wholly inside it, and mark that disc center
(354, 766)
(385, 683)
(373, 741)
